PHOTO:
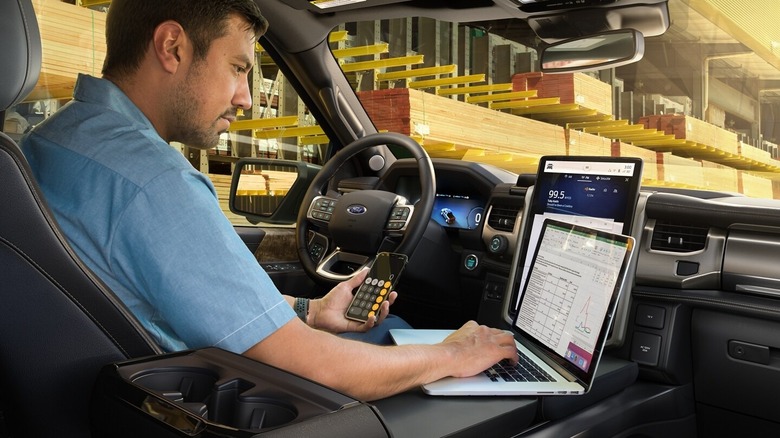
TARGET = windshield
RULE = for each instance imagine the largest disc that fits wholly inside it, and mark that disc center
(699, 107)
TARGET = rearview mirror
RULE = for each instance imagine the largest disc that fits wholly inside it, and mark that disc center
(266, 190)
(594, 52)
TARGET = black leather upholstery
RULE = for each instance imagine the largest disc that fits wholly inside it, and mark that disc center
(58, 323)
(20, 49)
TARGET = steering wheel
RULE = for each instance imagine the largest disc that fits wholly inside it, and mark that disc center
(337, 234)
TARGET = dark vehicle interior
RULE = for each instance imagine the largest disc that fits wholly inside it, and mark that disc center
(693, 349)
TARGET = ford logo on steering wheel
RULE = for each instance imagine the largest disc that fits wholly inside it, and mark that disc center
(356, 209)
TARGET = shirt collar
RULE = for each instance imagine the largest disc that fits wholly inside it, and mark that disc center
(105, 93)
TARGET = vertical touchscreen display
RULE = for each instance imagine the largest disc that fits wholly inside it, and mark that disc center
(596, 192)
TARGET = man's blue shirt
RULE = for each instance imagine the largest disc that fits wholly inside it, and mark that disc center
(150, 225)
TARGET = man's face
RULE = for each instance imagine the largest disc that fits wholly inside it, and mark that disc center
(205, 102)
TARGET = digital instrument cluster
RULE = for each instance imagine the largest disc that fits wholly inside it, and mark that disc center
(458, 211)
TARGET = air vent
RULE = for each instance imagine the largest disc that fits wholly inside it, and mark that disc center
(674, 237)
(503, 218)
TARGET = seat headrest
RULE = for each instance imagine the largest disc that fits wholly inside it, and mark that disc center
(20, 51)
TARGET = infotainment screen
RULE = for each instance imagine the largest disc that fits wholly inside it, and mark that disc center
(597, 192)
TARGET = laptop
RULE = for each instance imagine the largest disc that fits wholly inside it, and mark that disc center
(566, 308)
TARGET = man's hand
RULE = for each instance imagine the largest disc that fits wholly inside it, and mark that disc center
(327, 313)
(478, 347)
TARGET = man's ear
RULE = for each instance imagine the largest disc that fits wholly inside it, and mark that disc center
(170, 45)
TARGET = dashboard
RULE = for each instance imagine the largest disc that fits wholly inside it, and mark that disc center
(685, 239)
(704, 298)
(462, 190)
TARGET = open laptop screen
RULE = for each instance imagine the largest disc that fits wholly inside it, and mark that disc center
(573, 286)
(596, 192)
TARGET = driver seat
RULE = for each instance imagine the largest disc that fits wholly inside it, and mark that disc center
(59, 324)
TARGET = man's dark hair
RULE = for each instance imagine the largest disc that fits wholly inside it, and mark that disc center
(130, 25)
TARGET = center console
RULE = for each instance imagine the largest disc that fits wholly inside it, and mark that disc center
(214, 393)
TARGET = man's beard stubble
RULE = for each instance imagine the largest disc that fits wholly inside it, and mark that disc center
(185, 115)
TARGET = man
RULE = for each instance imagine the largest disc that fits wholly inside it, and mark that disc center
(149, 225)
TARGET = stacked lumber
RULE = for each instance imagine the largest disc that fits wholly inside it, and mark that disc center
(719, 177)
(582, 143)
(74, 42)
(694, 130)
(756, 186)
(266, 193)
(649, 159)
(753, 153)
(679, 171)
(576, 88)
(439, 119)
(222, 185)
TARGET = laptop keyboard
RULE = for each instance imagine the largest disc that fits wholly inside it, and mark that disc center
(524, 371)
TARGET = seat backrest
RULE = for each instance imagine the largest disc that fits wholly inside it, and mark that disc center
(59, 324)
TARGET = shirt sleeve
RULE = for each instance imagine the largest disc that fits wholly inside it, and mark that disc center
(202, 284)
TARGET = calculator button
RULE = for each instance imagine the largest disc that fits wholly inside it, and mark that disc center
(383, 292)
(387, 284)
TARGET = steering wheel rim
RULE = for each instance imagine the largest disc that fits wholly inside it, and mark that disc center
(414, 230)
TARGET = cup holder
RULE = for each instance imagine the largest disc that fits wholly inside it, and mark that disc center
(260, 413)
(211, 392)
(188, 387)
(225, 402)
(231, 404)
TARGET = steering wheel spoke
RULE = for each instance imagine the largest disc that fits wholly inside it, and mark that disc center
(317, 245)
(321, 209)
(399, 219)
(332, 267)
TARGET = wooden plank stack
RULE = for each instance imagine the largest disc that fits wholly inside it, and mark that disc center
(679, 171)
(719, 177)
(577, 88)
(756, 186)
(439, 119)
(751, 152)
(222, 185)
(73, 41)
(692, 129)
(582, 143)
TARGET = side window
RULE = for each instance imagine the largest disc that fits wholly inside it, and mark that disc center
(278, 127)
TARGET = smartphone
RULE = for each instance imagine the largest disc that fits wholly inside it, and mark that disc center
(380, 281)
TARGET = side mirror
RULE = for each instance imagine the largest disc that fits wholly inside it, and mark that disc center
(266, 190)
(594, 52)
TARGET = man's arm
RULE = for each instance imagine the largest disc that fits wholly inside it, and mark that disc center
(369, 372)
